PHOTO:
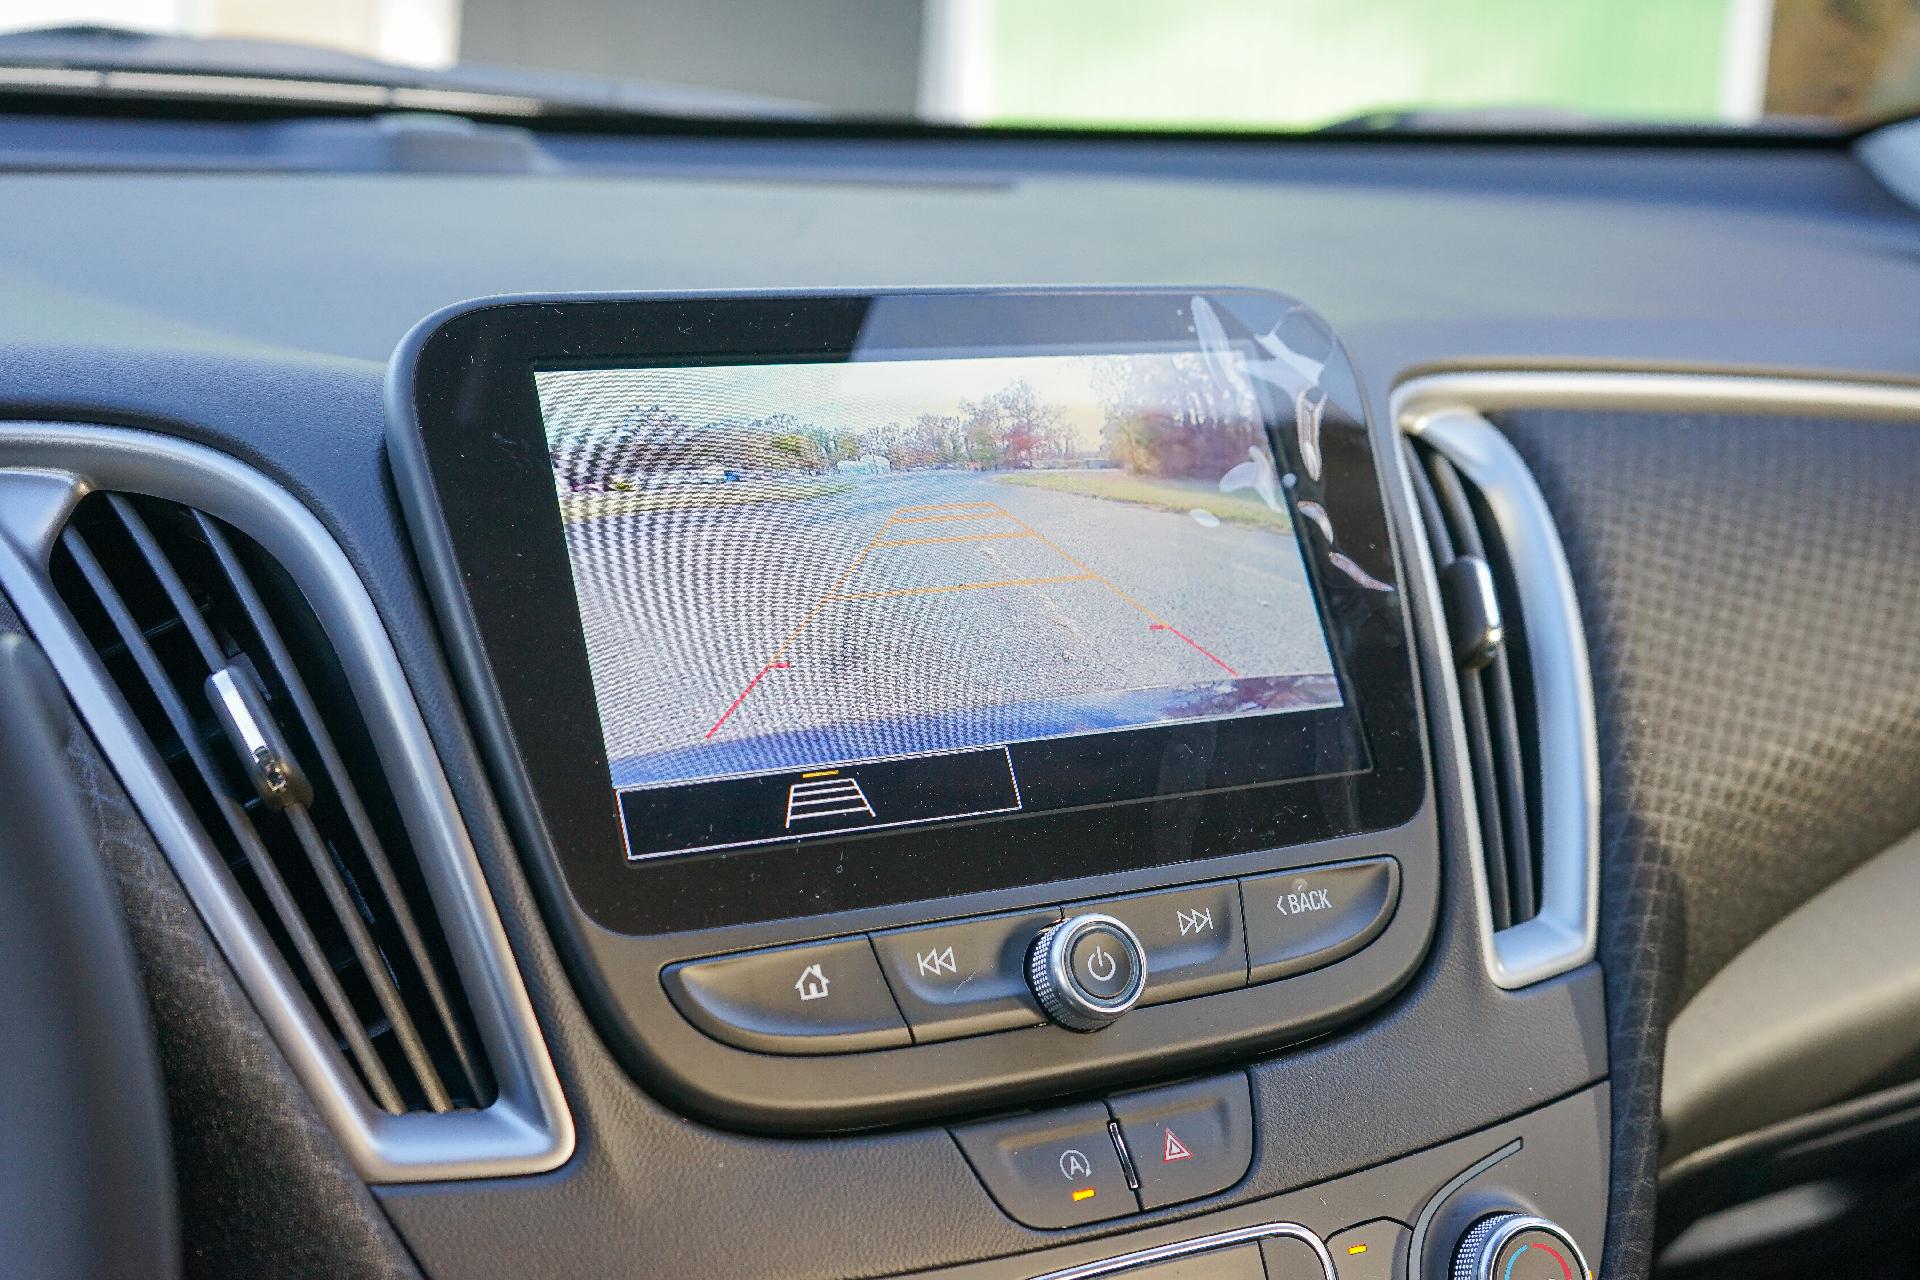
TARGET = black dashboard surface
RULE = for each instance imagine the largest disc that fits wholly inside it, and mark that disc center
(172, 300)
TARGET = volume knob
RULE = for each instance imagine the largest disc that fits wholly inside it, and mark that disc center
(1086, 971)
(1518, 1246)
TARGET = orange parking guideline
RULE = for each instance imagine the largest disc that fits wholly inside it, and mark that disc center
(1104, 581)
(934, 513)
(953, 537)
(959, 515)
(962, 586)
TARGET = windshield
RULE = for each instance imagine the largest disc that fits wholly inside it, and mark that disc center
(1257, 65)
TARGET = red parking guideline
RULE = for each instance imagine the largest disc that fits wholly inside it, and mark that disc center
(1197, 647)
(735, 704)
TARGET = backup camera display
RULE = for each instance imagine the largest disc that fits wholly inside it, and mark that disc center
(914, 565)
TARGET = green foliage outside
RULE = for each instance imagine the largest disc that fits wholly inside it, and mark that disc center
(1162, 494)
(1302, 63)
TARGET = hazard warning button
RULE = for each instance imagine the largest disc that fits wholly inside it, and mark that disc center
(1188, 1140)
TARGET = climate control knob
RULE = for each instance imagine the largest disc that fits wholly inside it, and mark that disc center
(1086, 971)
(1518, 1246)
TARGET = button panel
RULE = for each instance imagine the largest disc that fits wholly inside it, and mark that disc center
(1192, 937)
(1140, 1150)
(1187, 1140)
(967, 977)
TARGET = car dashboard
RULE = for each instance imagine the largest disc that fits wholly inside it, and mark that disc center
(1589, 466)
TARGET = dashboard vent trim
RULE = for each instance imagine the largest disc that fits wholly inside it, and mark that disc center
(416, 1087)
(1447, 411)
(1521, 706)
(1488, 635)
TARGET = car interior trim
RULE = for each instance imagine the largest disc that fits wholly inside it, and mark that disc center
(1562, 936)
(1892, 154)
(1200, 1244)
(1423, 1225)
(1447, 410)
(1810, 1014)
(44, 470)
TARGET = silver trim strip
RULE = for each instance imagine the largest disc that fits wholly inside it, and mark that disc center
(1564, 934)
(44, 470)
(1447, 410)
(1437, 1201)
(1200, 1244)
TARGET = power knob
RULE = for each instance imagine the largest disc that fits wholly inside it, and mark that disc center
(1518, 1246)
(1086, 971)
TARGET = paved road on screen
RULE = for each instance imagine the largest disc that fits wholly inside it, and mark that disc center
(911, 608)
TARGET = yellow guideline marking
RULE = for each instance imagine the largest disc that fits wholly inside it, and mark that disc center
(1104, 581)
(948, 506)
(951, 537)
(965, 586)
(821, 773)
(1084, 1193)
(964, 515)
(821, 603)
(1356, 1248)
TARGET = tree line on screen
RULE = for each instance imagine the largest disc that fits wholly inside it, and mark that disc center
(1166, 416)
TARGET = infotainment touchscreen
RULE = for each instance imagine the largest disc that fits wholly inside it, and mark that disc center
(856, 590)
(775, 605)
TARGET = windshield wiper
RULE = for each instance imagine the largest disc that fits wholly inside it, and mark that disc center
(121, 62)
(1520, 119)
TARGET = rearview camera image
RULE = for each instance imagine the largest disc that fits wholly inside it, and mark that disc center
(782, 566)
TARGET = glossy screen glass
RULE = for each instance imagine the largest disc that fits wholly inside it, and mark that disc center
(794, 568)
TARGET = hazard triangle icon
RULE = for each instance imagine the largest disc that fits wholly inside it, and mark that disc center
(1176, 1150)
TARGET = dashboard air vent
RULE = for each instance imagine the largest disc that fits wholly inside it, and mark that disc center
(219, 657)
(1484, 624)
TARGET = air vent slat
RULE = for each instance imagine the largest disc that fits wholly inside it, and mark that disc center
(371, 961)
(287, 912)
(184, 606)
(344, 791)
(1503, 729)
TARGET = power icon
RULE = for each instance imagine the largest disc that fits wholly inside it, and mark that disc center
(1101, 966)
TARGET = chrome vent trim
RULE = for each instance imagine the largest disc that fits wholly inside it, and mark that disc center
(1563, 932)
(1489, 652)
(1453, 405)
(45, 470)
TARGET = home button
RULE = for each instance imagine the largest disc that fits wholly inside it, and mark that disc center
(827, 997)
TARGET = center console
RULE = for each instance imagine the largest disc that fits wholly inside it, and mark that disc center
(937, 700)
(994, 711)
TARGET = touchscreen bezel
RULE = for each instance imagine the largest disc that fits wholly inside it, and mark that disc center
(470, 449)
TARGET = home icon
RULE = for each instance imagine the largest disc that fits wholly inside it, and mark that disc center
(812, 984)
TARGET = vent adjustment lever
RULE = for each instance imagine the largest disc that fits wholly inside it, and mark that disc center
(242, 710)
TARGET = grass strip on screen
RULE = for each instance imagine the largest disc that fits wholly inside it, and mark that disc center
(1162, 494)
